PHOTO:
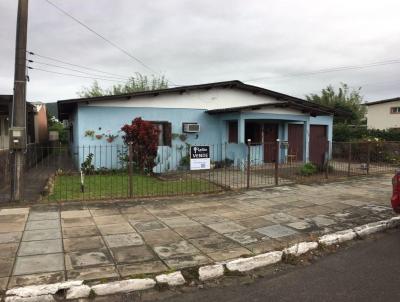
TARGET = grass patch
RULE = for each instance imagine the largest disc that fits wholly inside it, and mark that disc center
(116, 185)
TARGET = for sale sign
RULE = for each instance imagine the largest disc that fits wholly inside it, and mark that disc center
(199, 157)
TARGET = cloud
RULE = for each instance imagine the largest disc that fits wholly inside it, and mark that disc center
(204, 41)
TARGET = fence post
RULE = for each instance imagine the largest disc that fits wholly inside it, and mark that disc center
(277, 146)
(327, 159)
(130, 172)
(349, 161)
(368, 155)
(248, 163)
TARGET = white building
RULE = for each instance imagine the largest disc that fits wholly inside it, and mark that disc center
(384, 114)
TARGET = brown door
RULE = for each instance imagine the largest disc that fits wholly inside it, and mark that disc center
(270, 137)
(318, 143)
(295, 139)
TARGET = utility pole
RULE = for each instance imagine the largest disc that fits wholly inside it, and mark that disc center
(18, 120)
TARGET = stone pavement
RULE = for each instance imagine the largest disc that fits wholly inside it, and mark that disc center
(47, 243)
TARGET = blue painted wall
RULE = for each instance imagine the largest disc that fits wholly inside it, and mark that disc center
(213, 132)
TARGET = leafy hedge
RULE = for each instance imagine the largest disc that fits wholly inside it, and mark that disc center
(346, 133)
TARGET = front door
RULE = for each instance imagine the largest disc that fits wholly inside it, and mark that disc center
(4, 132)
(318, 143)
(295, 139)
(270, 137)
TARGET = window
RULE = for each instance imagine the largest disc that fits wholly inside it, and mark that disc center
(233, 132)
(165, 133)
(253, 131)
(395, 110)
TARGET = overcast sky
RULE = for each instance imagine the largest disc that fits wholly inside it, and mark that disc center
(194, 42)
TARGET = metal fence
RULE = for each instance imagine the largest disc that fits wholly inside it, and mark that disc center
(58, 173)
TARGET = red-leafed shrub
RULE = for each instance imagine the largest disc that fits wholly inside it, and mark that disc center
(143, 136)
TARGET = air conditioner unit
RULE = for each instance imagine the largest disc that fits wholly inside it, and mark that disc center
(191, 127)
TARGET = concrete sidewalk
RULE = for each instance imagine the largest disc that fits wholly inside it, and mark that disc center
(48, 243)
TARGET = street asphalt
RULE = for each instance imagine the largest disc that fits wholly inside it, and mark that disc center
(368, 270)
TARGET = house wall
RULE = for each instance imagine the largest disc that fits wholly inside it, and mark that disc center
(379, 116)
(108, 117)
(215, 98)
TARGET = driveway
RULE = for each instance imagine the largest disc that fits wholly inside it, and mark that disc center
(47, 243)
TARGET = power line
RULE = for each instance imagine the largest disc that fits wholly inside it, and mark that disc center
(74, 75)
(75, 70)
(327, 70)
(75, 65)
(102, 37)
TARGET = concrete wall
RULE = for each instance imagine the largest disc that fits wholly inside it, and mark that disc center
(380, 117)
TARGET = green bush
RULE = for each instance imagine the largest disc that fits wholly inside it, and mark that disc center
(308, 169)
(346, 133)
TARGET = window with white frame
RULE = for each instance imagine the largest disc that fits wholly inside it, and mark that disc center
(395, 110)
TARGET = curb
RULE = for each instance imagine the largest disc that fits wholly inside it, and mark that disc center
(77, 290)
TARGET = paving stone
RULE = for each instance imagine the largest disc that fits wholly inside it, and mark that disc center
(168, 214)
(255, 222)
(244, 237)
(266, 245)
(7, 227)
(86, 231)
(138, 217)
(105, 212)
(276, 231)
(176, 249)
(41, 247)
(229, 254)
(8, 250)
(148, 226)
(187, 261)
(3, 284)
(10, 237)
(112, 229)
(14, 218)
(112, 219)
(212, 243)
(300, 225)
(132, 254)
(77, 222)
(149, 267)
(83, 243)
(42, 224)
(226, 227)
(75, 214)
(36, 279)
(160, 237)
(280, 217)
(210, 219)
(93, 273)
(322, 220)
(81, 259)
(41, 234)
(43, 216)
(192, 231)
(119, 240)
(14, 211)
(39, 264)
(6, 265)
(180, 222)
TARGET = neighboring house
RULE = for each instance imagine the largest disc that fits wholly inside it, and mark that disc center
(36, 122)
(225, 113)
(384, 114)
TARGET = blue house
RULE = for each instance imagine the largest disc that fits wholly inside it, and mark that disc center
(222, 115)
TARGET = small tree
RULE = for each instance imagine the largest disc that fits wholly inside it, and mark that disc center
(143, 136)
(344, 98)
(136, 83)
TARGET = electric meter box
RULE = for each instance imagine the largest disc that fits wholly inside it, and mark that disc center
(17, 137)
